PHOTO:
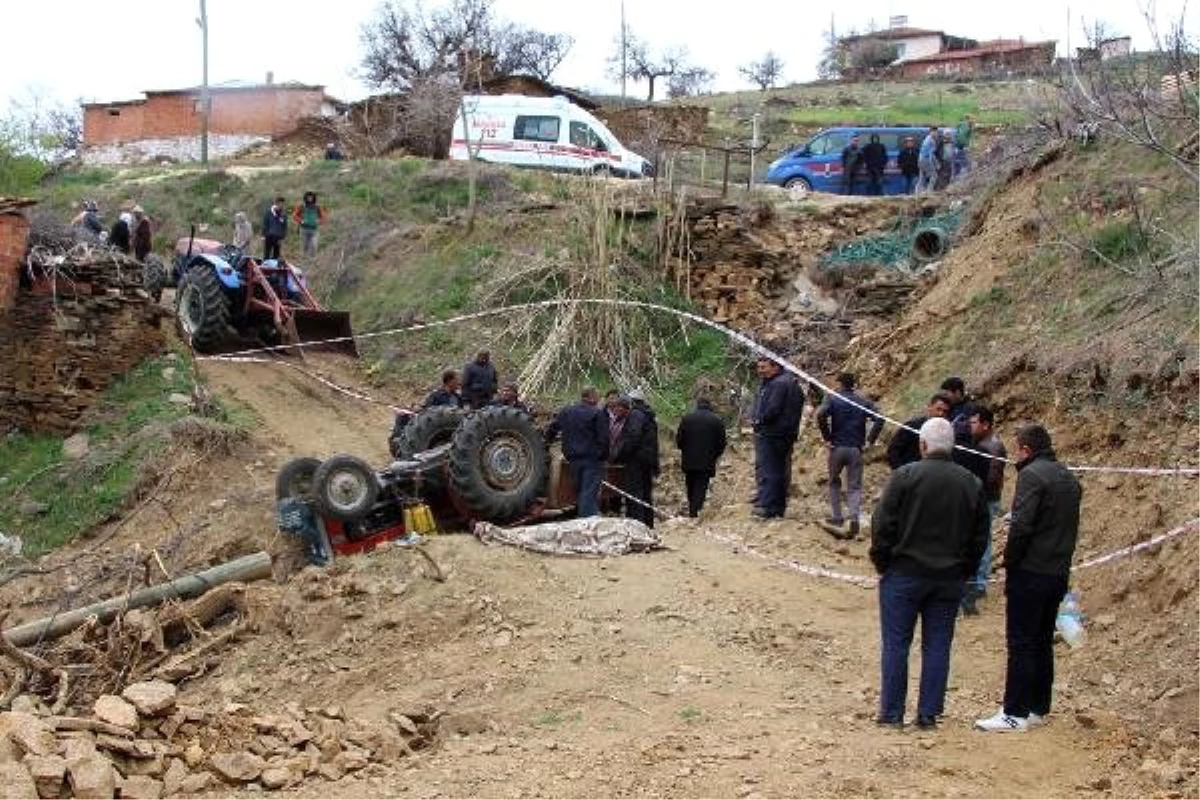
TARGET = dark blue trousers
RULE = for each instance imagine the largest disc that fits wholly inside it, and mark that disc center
(773, 472)
(902, 599)
(587, 476)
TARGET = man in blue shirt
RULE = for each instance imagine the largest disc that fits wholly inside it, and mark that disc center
(842, 419)
(927, 161)
(584, 430)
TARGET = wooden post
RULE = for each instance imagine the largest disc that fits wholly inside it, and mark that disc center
(246, 568)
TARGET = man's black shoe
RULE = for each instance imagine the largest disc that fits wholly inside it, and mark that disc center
(969, 607)
(926, 723)
(887, 722)
(853, 534)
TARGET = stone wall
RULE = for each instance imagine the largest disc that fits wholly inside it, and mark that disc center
(178, 149)
(14, 231)
(65, 340)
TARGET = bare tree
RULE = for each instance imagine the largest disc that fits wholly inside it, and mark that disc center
(402, 44)
(44, 130)
(765, 73)
(522, 51)
(643, 65)
(833, 58)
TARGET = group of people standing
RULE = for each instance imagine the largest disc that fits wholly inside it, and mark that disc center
(132, 231)
(940, 157)
(308, 215)
(931, 543)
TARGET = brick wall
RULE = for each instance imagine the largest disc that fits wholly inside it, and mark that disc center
(58, 354)
(14, 233)
(256, 111)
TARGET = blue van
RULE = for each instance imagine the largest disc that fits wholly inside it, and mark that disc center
(816, 166)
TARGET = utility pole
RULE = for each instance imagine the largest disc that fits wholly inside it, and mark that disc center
(622, 49)
(205, 104)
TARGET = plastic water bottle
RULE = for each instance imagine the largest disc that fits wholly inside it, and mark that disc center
(1069, 621)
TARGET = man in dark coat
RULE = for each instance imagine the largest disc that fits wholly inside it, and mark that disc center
(903, 447)
(479, 380)
(776, 421)
(927, 535)
(637, 452)
(448, 393)
(274, 228)
(142, 235)
(875, 157)
(701, 440)
(907, 160)
(842, 419)
(583, 427)
(1041, 543)
(852, 164)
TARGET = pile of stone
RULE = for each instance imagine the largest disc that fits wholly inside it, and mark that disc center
(145, 744)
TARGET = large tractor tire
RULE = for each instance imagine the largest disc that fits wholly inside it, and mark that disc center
(346, 488)
(432, 427)
(296, 479)
(154, 276)
(202, 309)
(498, 464)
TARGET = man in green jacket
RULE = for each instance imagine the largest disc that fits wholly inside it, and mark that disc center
(963, 134)
(309, 215)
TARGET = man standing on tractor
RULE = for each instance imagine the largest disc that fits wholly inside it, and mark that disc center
(309, 215)
(479, 380)
(274, 230)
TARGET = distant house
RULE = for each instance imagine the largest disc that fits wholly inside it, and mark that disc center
(167, 124)
(922, 53)
(1000, 57)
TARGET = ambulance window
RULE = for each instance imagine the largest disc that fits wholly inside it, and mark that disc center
(537, 129)
(596, 141)
(579, 134)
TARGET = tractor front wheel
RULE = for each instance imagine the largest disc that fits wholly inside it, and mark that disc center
(201, 308)
(346, 487)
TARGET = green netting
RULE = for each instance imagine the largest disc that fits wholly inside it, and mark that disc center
(894, 248)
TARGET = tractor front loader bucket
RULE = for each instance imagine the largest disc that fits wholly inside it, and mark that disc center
(326, 330)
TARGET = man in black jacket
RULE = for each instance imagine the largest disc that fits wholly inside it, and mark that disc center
(479, 380)
(776, 420)
(636, 450)
(274, 228)
(875, 157)
(1041, 543)
(701, 440)
(842, 419)
(584, 430)
(903, 447)
(927, 534)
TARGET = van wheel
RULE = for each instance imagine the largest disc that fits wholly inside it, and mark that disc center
(798, 188)
(602, 171)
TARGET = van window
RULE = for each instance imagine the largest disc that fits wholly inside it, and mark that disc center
(584, 135)
(537, 129)
(829, 144)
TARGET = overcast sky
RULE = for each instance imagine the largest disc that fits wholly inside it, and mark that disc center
(71, 50)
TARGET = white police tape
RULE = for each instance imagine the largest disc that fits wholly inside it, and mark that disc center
(744, 340)
(315, 376)
(1134, 548)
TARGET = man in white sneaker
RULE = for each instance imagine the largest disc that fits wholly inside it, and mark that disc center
(1041, 543)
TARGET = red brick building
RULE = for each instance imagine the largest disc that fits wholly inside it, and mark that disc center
(987, 59)
(167, 124)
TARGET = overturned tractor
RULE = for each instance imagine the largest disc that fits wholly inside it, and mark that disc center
(226, 300)
(493, 466)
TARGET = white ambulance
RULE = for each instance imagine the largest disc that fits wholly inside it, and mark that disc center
(543, 132)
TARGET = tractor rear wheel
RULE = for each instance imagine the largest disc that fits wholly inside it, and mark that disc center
(498, 465)
(429, 428)
(346, 487)
(201, 308)
(295, 479)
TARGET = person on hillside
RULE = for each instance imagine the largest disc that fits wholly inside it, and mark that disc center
(479, 380)
(333, 152)
(119, 234)
(875, 157)
(927, 534)
(243, 232)
(309, 215)
(701, 440)
(583, 427)
(963, 133)
(945, 160)
(509, 397)
(636, 450)
(904, 447)
(142, 234)
(448, 394)
(778, 408)
(274, 229)
(88, 219)
(927, 163)
(986, 463)
(1042, 535)
(842, 419)
(907, 161)
(852, 164)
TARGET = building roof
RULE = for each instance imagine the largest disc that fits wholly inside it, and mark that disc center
(229, 87)
(894, 33)
(997, 47)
